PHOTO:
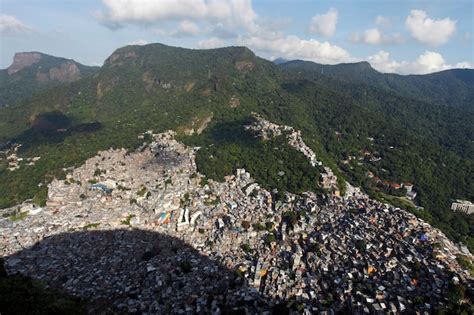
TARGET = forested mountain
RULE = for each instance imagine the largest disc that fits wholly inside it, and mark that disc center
(357, 120)
(449, 87)
(31, 72)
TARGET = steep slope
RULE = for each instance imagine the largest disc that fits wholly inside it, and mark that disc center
(31, 72)
(208, 96)
(453, 87)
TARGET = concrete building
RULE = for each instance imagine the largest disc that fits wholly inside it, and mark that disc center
(463, 206)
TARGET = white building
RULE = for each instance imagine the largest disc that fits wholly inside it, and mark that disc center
(463, 206)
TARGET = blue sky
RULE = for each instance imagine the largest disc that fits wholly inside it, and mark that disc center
(394, 36)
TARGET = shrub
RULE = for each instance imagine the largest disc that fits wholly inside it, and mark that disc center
(245, 247)
(269, 226)
(259, 227)
(270, 238)
(127, 220)
(19, 216)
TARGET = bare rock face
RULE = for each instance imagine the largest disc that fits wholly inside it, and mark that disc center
(104, 86)
(244, 65)
(64, 71)
(23, 60)
(67, 72)
(118, 58)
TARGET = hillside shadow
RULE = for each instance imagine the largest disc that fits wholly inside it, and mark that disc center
(134, 271)
(145, 272)
(227, 132)
(34, 137)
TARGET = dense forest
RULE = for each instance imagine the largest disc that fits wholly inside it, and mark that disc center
(355, 119)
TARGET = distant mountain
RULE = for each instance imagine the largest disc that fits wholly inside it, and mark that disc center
(280, 60)
(415, 129)
(451, 87)
(31, 72)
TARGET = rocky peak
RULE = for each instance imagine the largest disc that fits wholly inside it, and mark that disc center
(120, 56)
(22, 60)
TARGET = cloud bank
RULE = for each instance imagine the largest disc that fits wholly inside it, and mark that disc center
(229, 12)
(427, 62)
(293, 47)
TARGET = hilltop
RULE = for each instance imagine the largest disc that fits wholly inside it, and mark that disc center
(31, 72)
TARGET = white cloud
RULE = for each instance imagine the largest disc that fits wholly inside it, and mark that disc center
(293, 47)
(374, 36)
(430, 62)
(212, 42)
(186, 28)
(381, 61)
(139, 42)
(427, 62)
(324, 24)
(429, 31)
(229, 12)
(464, 65)
(382, 21)
(10, 24)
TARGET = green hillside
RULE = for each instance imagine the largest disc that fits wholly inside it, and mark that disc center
(342, 116)
(449, 87)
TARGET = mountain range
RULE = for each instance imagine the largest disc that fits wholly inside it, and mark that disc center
(450, 87)
(375, 130)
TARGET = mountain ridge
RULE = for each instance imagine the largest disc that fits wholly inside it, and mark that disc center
(436, 87)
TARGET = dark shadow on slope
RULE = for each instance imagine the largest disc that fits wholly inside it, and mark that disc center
(225, 132)
(139, 271)
(36, 136)
(123, 271)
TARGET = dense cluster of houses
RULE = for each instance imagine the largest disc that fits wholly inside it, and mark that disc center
(186, 245)
(14, 162)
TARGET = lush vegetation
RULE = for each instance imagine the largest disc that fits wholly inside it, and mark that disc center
(450, 87)
(399, 140)
(355, 119)
(273, 163)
